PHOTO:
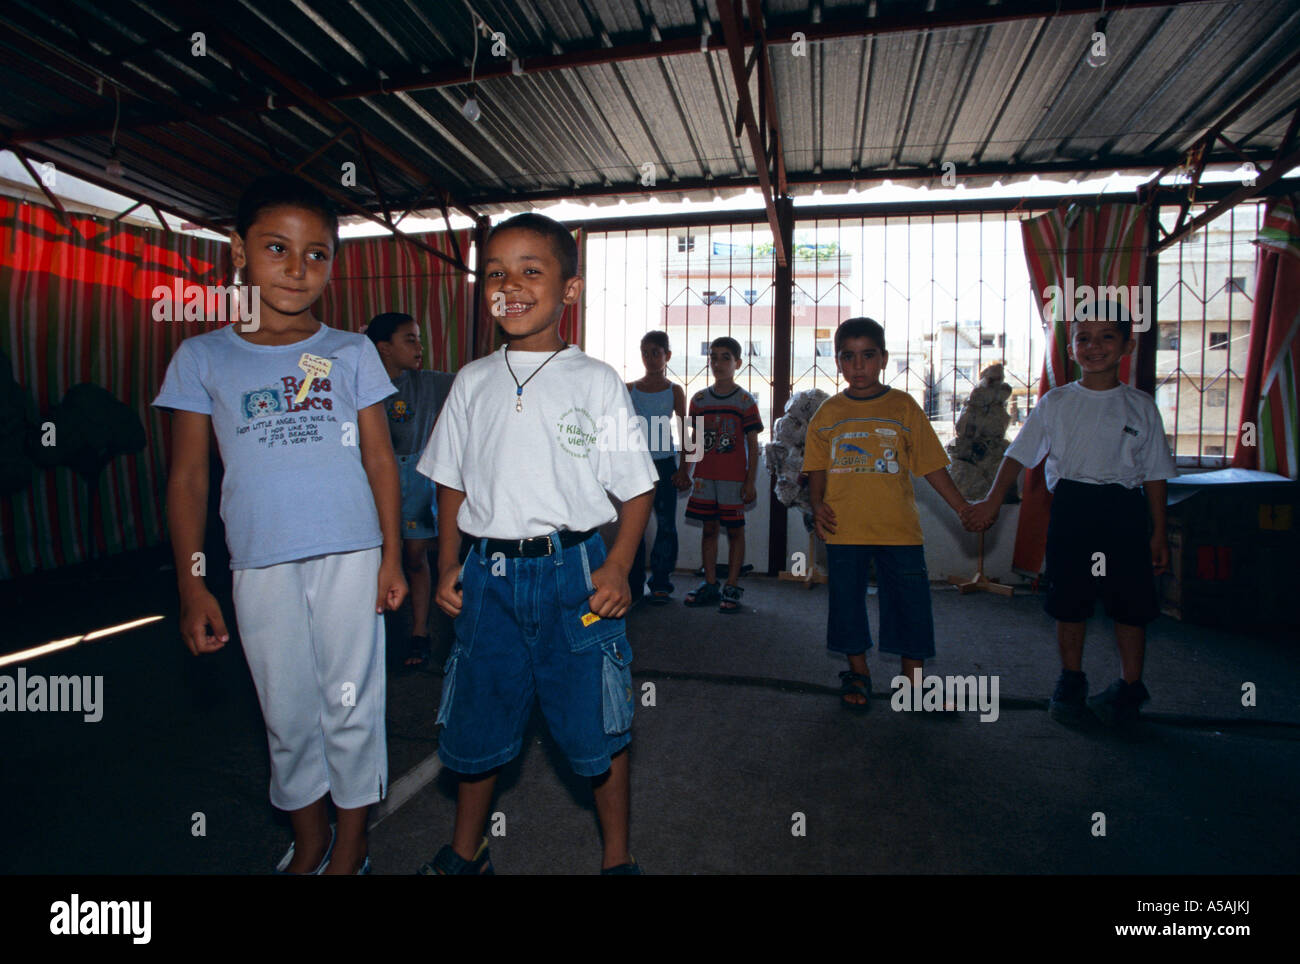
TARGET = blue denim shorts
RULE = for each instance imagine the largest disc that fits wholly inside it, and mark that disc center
(419, 500)
(526, 629)
(906, 619)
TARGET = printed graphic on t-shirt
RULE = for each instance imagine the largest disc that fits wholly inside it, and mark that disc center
(285, 414)
(576, 432)
(874, 450)
(399, 411)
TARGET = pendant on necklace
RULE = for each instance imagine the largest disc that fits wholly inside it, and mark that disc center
(519, 400)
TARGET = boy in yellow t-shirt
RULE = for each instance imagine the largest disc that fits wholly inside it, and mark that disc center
(863, 447)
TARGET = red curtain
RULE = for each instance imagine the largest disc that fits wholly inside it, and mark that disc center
(1270, 435)
(76, 306)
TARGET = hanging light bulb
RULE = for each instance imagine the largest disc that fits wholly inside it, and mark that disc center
(471, 110)
(113, 167)
(1097, 52)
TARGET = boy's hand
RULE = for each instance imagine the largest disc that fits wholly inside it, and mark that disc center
(613, 595)
(824, 520)
(449, 596)
(978, 516)
(200, 610)
(682, 480)
(392, 586)
(748, 494)
(1160, 553)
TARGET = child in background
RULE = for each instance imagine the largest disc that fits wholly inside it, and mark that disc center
(724, 477)
(661, 403)
(412, 413)
(539, 602)
(862, 449)
(1104, 441)
(310, 495)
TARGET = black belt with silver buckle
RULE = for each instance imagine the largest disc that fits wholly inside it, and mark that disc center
(536, 546)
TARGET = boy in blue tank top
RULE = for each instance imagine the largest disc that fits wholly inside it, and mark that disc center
(660, 403)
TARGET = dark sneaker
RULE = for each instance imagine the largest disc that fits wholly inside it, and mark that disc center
(623, 870)
(1067, 703)
(1119, 704)
(448, 863)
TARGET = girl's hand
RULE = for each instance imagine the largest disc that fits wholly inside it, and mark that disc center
(613, 595)
(748, 494)
(681, 480)
(199, 612)
(449, 596)
(392, 586)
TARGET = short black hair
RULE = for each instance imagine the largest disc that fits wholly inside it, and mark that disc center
(383, 326)
(562, 243)
(284, 190)
(729, 343)
(860, 328)
(1111, 312)
(659, 338)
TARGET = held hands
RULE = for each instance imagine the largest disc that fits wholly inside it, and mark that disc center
(613, 595)
(979, 516)
(682, 479)
(202, 628)
(449, 596)
(392, 586)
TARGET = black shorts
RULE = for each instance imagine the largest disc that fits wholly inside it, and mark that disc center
(1096, 529)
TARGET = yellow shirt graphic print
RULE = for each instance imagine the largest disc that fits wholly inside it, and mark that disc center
(865, 451)
(869, 450)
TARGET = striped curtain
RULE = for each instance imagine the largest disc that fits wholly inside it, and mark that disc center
(1273, 362)
(1100, 245)
(374, 275)
(75, 307)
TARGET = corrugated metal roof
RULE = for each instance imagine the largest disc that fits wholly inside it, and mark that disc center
(990, 97)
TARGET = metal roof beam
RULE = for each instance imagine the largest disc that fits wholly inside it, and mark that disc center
(301, 92)
(865, 177)
(851, 22)
(731, 17)
(1279, 167)
(768, 93)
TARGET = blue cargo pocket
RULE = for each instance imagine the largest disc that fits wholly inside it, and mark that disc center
(617, 701)
(473, 587)
(448, 688)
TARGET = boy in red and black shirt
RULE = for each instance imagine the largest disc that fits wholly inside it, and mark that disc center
(724, 476)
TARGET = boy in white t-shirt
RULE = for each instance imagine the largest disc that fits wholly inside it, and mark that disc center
(523, 467)
(1103, 440)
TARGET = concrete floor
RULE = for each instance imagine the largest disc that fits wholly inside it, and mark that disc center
(745, 734)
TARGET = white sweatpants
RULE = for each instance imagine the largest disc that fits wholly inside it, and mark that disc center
(315, 647)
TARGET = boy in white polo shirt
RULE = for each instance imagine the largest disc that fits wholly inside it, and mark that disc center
(521, 466)
(1103, 440)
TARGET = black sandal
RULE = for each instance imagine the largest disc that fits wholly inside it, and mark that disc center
(852, 683)
(730, 604)
(421, 652)
(706, 595)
